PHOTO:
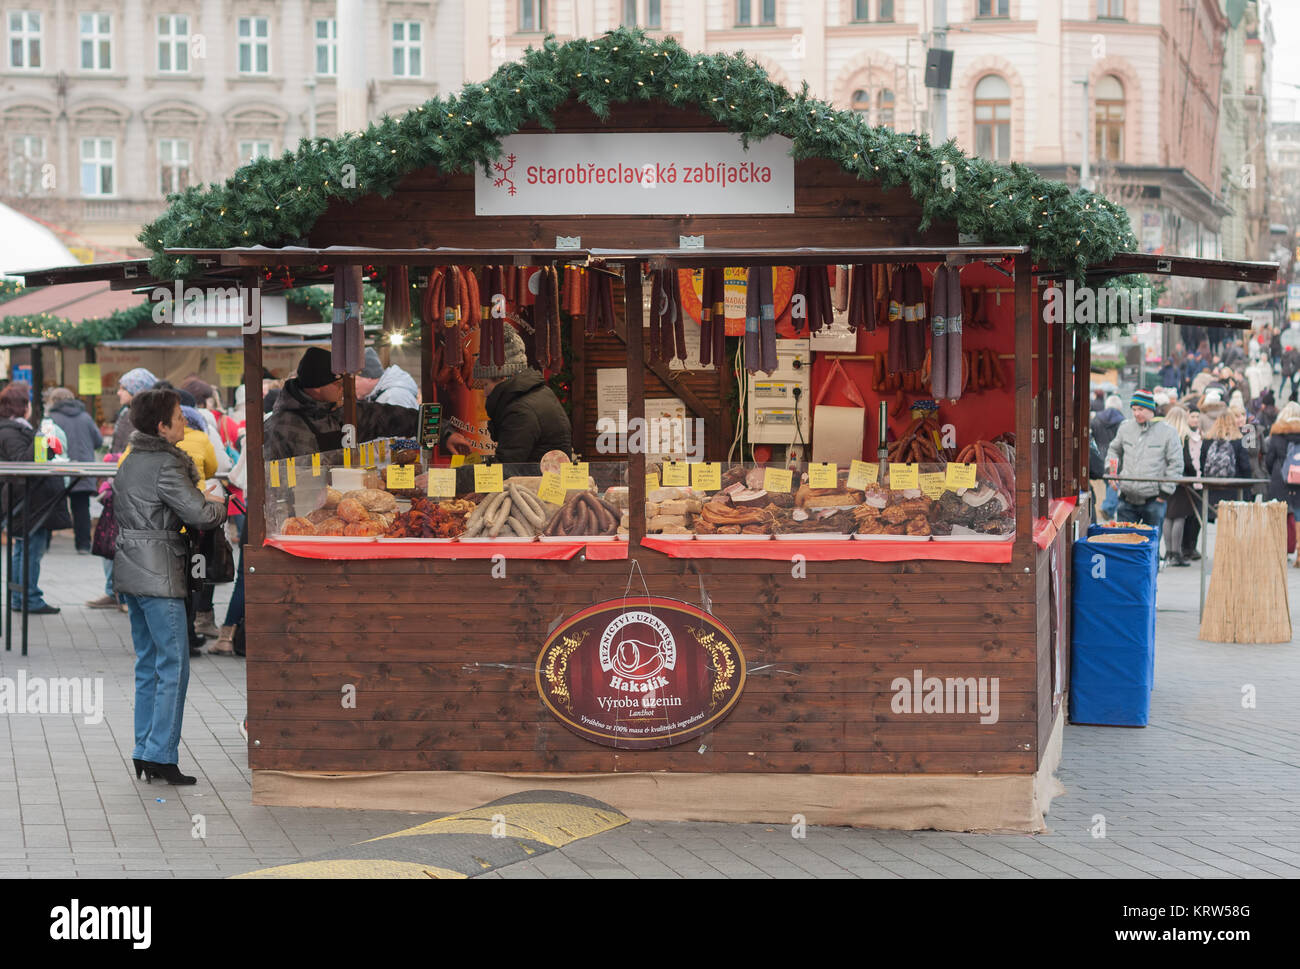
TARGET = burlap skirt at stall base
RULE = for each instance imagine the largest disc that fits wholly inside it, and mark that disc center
(1247, 600)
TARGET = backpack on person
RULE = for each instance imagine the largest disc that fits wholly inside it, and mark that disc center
(1220, 460)
(1291, 465)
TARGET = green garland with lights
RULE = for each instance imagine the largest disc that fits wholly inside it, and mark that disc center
(275, 202)
(83, 333)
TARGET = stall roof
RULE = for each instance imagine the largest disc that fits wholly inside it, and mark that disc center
(85, 300)
(1165, 314)
(1197, 267)
(189, 342)
(6, 342)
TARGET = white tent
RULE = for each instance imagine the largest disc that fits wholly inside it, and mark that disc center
(25, 244)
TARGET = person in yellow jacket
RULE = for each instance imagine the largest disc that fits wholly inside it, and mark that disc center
(195, 443)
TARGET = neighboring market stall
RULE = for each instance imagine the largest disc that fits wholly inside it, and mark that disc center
(851, 605)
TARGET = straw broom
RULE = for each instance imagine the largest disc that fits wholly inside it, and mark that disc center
(1247, 600)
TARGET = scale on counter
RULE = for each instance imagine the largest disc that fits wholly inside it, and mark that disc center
(430, 424)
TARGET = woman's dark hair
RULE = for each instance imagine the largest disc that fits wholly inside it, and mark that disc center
(14, 399)
(151, 408)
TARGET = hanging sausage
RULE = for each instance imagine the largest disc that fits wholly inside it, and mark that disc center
(914, 318)
(347, 346)
(953, 328)
(897, 335)
(939, 334)
(760, 321)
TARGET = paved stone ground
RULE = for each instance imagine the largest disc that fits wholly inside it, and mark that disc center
(1210, 789)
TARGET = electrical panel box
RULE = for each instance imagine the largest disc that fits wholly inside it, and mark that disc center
(777, 404)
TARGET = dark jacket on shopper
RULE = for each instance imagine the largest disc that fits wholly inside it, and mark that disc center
(1104, 426)
(122, 428)
(302, 425)
(154, 494)
(1180, 502)
(18, 443)
(1243, 470)
(1283, 434)
(526, 419)
(83, 437)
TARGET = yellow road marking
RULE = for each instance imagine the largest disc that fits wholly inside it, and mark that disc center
(353, 868)
(555, 825)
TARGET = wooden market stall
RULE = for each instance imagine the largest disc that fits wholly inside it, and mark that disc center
(436, 652)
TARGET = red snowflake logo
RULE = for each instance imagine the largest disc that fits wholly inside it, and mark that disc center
(505, 178)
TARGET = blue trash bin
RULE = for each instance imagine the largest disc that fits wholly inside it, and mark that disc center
(1112, 648)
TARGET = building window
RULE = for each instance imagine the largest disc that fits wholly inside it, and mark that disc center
(755, 13)
(252, 150)
(327, 48)
(97, 167)
(878, 110)
(24, 40)
(96, 41)
(406, 48)
(861, 11)
(993, 118)
(174, 164)
(650, 14)
(993, 8)
(1109, 115)
(886, 10)
(1112, 9)
(26, 157)
(254, 45)
(173, 44)
(532, 15)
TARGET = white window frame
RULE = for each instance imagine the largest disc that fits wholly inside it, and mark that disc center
(998, 10)
(99, 161)
(28, 40)
(755, 11)
(175, 42)
(328, 44)
(405, 49)
(253, 43)
(537, 10)
(251, 149)
(25, 165)
(170, 160)
(99, 39)
(636, 13)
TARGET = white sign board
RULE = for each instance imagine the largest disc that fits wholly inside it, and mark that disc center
(669, 173)
(1293, 297)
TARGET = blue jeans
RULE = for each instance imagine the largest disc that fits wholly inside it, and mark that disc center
(1109, 503)
(1152, 513)
(162, 675)
(39, 542)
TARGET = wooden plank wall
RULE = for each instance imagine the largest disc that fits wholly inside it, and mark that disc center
(444, 677)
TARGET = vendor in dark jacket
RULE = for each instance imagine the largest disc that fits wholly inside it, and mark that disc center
(83, 437)
(308, 414)
(525, 418)
(46, 498)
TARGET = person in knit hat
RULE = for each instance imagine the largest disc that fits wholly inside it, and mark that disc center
(132, 382)
(525, 418)
(1144, 448)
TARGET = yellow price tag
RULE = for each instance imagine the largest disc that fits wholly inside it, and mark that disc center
(933, 484)
(651, 482)
(442, 483)
(488, 478)
(676, 474)
(39, 447)
(347, 457)
(291, 475)
(275, 474)
(706, 476)
(903, 476)
(551, 490)
(863, 473)
(778, 479)
(575, 476)
(459, 460)
(230, 369)
(89, 380)
(315, 465)
(960, 476)
(823, 476)
(367, 454)
(401, 476)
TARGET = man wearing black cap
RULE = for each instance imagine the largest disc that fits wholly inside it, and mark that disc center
(308, 416)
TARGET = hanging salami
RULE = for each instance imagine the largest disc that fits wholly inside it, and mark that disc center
(914, 318)
(897, 334)
(939, 334)
(954, 334)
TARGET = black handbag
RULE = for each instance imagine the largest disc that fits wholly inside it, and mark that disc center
(103, 541)
(218, 557)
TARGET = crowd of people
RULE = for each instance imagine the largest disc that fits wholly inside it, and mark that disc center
(1214, 415)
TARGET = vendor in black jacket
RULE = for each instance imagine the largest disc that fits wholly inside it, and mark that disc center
(525, 418)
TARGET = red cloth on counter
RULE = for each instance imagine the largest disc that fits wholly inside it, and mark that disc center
(606, 551)
(417, 549)
(817, 551)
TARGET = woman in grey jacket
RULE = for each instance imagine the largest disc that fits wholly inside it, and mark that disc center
(154, 494)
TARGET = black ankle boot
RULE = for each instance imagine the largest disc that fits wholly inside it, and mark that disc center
(170, 773)
(140, 767)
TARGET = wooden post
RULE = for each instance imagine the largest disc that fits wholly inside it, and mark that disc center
(255, 494)
(578, 386)
(635, 401)
(1026, 486)
(428, 392)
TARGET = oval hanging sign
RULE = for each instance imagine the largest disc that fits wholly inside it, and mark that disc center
(640, 673)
